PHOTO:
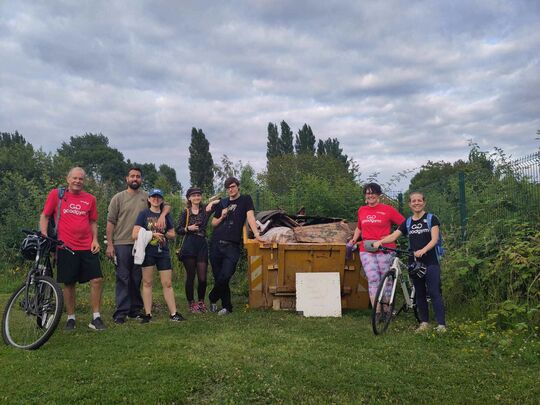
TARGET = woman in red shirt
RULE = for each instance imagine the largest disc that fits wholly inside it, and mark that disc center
(374, 223)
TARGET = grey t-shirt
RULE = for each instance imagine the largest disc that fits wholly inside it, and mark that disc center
(123, 211)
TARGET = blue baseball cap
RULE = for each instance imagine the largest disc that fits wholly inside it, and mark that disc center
(155, 191)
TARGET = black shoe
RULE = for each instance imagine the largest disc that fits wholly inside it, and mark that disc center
(146, 318)
(119, 320)
(97, 324)
(177, 317)
(136, 316)
(70, 324)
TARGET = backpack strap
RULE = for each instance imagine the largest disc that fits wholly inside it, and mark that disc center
(187, 219)
(408, 223)
(61, 193)
(429, 219)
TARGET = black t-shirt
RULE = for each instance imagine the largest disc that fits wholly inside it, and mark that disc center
(420, 236)
(231, 227)
(147, 219)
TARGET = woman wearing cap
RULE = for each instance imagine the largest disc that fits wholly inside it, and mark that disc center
(156, 255)
(194, 251)
(374, 222)
(423, 235)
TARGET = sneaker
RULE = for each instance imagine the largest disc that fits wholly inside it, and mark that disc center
(70, 324)
(119, 320)
(146, 318)
(97, 324)
(424, 326)
(441, 329)
(193, 307)
(213, 307)
(202, 307)
(224, 311)
(177, 317)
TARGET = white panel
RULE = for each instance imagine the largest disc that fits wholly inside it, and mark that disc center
(318, 294)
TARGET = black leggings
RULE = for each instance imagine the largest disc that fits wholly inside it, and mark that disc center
(192, 267)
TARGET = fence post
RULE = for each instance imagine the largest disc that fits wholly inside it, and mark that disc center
(400, 202)
(462, 206)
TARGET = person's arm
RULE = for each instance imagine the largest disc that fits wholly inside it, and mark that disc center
(44, 223)
(434, 239)
(135, 232)
(95, 242)
(253, 225)
(221, 218)
(110, 245)
(356, 236)
(388, 239)
(210, 206)
(160, 223)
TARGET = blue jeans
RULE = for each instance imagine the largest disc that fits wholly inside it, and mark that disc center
(128, 283)
(224, 257)
(430, 284)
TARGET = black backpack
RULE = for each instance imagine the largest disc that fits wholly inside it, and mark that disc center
(52, 228)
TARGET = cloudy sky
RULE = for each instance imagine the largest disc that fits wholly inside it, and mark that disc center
(397, 82)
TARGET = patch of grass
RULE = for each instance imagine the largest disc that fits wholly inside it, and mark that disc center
(263, 357)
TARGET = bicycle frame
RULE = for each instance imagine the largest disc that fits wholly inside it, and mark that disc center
(398, 268)
(41, 267)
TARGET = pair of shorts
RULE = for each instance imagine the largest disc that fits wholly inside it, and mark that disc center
(162, 262)
(195, 246)
(81, 266)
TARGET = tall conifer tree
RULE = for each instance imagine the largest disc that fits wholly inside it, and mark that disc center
(201, 164)
(305, 141)
(286, 140)
(272, 145)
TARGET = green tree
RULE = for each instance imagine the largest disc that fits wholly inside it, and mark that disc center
(272, 145)
(169, 174)
(201, 164)
(286, 139)
(331, 147)
(93, 153)
(305, 141)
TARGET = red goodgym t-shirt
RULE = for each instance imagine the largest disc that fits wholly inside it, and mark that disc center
(77, 211)
(375, 222)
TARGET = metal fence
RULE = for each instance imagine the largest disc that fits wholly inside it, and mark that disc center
(465, 202)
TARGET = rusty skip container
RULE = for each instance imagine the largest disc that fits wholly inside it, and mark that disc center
(272, 269)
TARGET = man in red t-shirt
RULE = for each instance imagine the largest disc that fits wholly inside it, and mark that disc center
(77, 228)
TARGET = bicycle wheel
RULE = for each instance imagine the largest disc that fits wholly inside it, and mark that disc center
(28, 322)
(382, 312)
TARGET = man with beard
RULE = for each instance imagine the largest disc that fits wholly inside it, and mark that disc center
(123, 210)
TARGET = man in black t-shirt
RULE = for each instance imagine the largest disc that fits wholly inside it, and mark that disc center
(229, 218)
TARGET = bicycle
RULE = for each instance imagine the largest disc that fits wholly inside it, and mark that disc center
(35, 308)
(388, 302)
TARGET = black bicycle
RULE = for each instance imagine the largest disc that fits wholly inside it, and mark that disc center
(389, 302)
(35, 308)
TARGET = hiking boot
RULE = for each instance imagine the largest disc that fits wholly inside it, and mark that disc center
(213, 307)
(202, 307)
(97, 324)
(70, 324)
(424, 326)
(146, 318)
(177, 317)
(441, 329)
(224, 311)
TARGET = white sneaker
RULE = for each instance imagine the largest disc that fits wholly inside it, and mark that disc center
(440, 329)
(424, 326)
(224, 311)
(213, 307)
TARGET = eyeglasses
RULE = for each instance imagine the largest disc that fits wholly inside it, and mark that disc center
(231, 186)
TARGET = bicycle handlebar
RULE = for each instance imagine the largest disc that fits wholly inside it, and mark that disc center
(56, 242)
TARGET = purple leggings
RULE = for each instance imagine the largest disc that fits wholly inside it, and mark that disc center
(375, 266)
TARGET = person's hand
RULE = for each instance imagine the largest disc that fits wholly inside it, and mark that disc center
(158, 236)
(259, 238)
(377, 244)
(351, 242)
(110, 251)
(193, 228)
(160, 223)
(224, 213)
(95, 247)
(419, 253)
